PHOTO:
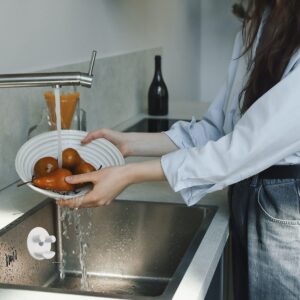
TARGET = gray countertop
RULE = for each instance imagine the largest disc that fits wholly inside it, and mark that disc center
(194, 285)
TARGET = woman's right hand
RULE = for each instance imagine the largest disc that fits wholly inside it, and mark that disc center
(115, 137)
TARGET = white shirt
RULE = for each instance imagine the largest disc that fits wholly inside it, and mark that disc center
(225, 148)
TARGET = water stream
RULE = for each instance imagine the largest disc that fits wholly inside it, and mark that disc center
(71, 217)
(58, 125)
(82, 246)
(64, 224)
(71, 222)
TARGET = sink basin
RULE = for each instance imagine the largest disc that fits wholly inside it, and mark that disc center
(130, 250)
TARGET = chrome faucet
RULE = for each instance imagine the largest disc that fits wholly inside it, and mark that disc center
(49, 79)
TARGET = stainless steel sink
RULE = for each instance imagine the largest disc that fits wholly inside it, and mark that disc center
(134, 250)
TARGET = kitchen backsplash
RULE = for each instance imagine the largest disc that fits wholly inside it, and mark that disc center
(119, 92)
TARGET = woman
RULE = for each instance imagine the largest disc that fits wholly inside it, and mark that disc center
(249, 139)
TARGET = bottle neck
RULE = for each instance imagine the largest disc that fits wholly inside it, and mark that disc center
(158, 73)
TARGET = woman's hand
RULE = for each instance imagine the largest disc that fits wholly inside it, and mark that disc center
(110, 182)
(119, 139)
(133, 143)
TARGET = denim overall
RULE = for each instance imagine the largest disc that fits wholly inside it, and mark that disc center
(265, 224)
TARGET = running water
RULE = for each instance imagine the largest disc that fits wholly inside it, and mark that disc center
(64, 214)
(59, 158)
(71, 222)
(58, 125)
(81, 237)
(67, 214)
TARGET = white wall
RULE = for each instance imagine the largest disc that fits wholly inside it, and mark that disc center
(41, 34)
(175, 24)
(218, 30)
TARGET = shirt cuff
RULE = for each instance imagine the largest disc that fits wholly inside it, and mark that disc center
(189, 191)
(181, 134)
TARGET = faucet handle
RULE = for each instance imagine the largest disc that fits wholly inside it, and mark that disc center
(92, 62)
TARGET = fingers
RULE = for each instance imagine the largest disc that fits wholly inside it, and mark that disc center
(71, 203)
(81, 178)
(77, 202)
(92, 136)
(81, 202)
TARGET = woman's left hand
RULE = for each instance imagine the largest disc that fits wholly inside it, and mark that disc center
(108, 183)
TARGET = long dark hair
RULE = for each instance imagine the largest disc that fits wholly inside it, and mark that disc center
(279, 41)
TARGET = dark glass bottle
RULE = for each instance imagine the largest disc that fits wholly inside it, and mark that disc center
(158, 93)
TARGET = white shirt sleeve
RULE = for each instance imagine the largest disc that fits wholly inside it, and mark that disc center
(185, 134)
(267, 133)
(190, 134)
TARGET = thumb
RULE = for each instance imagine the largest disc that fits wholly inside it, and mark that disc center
(81, 178)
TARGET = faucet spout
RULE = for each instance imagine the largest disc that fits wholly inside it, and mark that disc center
(49, 79)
